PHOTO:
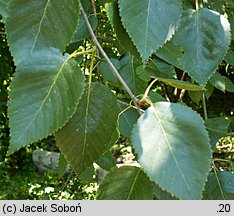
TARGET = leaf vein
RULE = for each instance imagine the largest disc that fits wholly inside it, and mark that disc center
(169, 146)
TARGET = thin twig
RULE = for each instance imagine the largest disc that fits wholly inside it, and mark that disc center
(103, 53)
(97, 51)
(204, 106)
(128, 105)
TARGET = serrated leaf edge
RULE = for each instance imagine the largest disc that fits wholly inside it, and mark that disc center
(10, 151)
(209, 149)
(152, 50)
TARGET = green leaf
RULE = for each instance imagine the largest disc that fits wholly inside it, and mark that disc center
(162, 194)
(82, 31)
(218, 81)
(229, 58)
(107, 73)
(182, 84)
(215, 5)
(173, 148)
(160, 69)
(150, 23)
(220, 186)
(204, 35)
(62, 166)
(4, 11)
(171, 53)
(126, 183)
(107, 161)
(229, 86)
(196, 96)
(45, 92)
(231, 19)
(217, 128)
(87, 5)
(141, 73)
(87, 175)
(128, 73)
(155, 97)
(87, 135)
(33, 25)
(123, 37)
(127, 118)
(114, 138)
(105, 1)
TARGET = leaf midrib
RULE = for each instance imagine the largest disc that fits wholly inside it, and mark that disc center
(147, 29)
(44, 100)
(220, 186)
(169, 146)
(40, 25)
(198, 45)
(133, 184)
(86, 124)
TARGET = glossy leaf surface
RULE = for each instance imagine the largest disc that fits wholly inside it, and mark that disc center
(173, 148)
(204, 35)
(33, 25)
(45, 92)
(150, 23)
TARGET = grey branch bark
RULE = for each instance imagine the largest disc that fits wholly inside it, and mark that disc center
(116, 73)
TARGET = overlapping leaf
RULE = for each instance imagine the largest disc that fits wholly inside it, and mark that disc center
(127, 119)
(171, 53)
(4, 11)
(36, 24)
(106, 72)
(220, 186)
(160, 69)
(150, 23)
(204, 35)
(45, 92)
(196, 96)
(123, 37)
(182, 84)
(229, 85)
(107, 161)
(81, 31)
(173, 148)
(162, 194)
(218, 81)
(128, 73)
(217, 128)
(87, 135)
(126, 183)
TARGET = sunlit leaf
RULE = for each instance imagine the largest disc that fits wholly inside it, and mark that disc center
(45, 92)
(204, 35)
(150, 23)
(33, 25)
(173, 148)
